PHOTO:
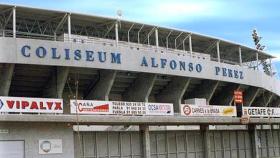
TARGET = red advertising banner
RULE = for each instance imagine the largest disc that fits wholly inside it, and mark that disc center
(30, 105)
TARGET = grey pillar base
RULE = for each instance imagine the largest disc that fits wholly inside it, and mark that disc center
(145, 141)
(206, 139)
(254, 140)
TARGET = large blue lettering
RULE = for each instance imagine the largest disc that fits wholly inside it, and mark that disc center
(41, 52)
(77, 54)
(23, 50)
(116, 58)
(54, 54)
(102, 56)
(89, 55)
(144, 62)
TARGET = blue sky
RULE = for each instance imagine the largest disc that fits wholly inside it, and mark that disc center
(228, 19)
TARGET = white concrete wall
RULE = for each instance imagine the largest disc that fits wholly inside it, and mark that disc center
(30, 133)
(131, 58)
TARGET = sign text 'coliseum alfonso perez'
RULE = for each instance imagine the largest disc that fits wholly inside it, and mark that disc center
(207, 110)
(31, 105)
(95, 57)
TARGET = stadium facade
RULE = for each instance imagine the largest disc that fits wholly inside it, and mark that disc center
(84, 86)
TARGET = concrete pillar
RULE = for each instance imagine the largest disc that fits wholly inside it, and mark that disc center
(270, 98)
(250, 95)
(174, 92)
(206, 140)
(275, 102)
(218, 51)
(103, 87)
(264, 99)
(205, 90)
(254, 140)
(140, 90)
(55, 87)
(145, 141)
(14, 23)
(6, 79)
(240, 56)
(69, 27)
(225, 96)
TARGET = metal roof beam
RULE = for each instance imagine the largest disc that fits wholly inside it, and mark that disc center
(175, 41)
(62, 21)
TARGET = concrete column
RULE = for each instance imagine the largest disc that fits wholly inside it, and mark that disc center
(145, 141)
(225, 95)
(174, 92)
(269, 100)
(156, 36)
(140, 90)
(117, 32)
(250, 95)
(190, 44)
(240, 56)
(254, 140)
(6, 79)
(218, 51)
(275, 102)
(206, 140)
(69, 27)
(205, 90)
(14, 22)
(55, 87)
(102, 89)
(264, 99)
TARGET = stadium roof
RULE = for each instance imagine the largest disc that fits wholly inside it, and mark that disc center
(44, 23)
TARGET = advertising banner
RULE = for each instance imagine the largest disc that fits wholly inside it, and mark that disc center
(120, 108)
(261, 112)
(128, 108)
(159, 109)
(207, 110)
(90, 107)
(30, 105)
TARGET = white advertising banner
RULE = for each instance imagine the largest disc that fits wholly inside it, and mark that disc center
(261, 112)
(90, 107)
(159, 109)
(207, 110)
(120, 108)
(50, 146)
(31, 105)
(128, 108)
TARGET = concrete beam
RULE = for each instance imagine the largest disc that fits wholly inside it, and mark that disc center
(225, 96)
(250, 95)
(254, 140)
(55, 86)
(145, 141)
(206, 140)
(276, 102)
(102, 88)
(205, 90)
(272, 95)
(263, 99)
(132, 120)
(140, 90)
(174, 92)
(6, 79)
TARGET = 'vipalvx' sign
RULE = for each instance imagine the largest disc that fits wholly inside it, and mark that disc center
(41, 52)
